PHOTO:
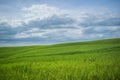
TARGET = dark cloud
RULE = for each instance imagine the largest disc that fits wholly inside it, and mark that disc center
(93, 20)
(6, 31)
(52, 22)
(60, 28)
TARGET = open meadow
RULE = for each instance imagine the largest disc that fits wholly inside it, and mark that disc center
(91, 60)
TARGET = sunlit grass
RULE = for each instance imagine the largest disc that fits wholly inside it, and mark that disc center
(94, 60)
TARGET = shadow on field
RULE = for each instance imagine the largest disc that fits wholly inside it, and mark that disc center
(65, 53)
(101, 50)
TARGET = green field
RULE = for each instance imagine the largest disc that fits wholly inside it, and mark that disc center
(91, 60)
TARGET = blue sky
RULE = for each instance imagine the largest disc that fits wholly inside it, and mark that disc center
(26, 22)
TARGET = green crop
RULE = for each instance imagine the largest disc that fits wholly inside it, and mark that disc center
(91, 60)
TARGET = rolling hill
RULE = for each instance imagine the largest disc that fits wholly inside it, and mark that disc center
(90, 60)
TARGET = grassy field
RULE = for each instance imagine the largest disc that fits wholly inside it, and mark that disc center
(91, 60)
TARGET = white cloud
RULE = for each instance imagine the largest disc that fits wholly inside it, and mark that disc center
(28, 35)
(53, 33)
(50, 23)
(109, 28)
(34, 32)
(21, 35)
(41, 11)
(16, 23)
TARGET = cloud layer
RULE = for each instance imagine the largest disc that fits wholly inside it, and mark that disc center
(46, 24)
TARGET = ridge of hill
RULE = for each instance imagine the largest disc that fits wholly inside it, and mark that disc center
(90, 60)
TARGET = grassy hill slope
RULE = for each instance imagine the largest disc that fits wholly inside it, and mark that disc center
(91, 60)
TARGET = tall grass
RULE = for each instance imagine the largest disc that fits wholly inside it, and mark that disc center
(95, 60)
